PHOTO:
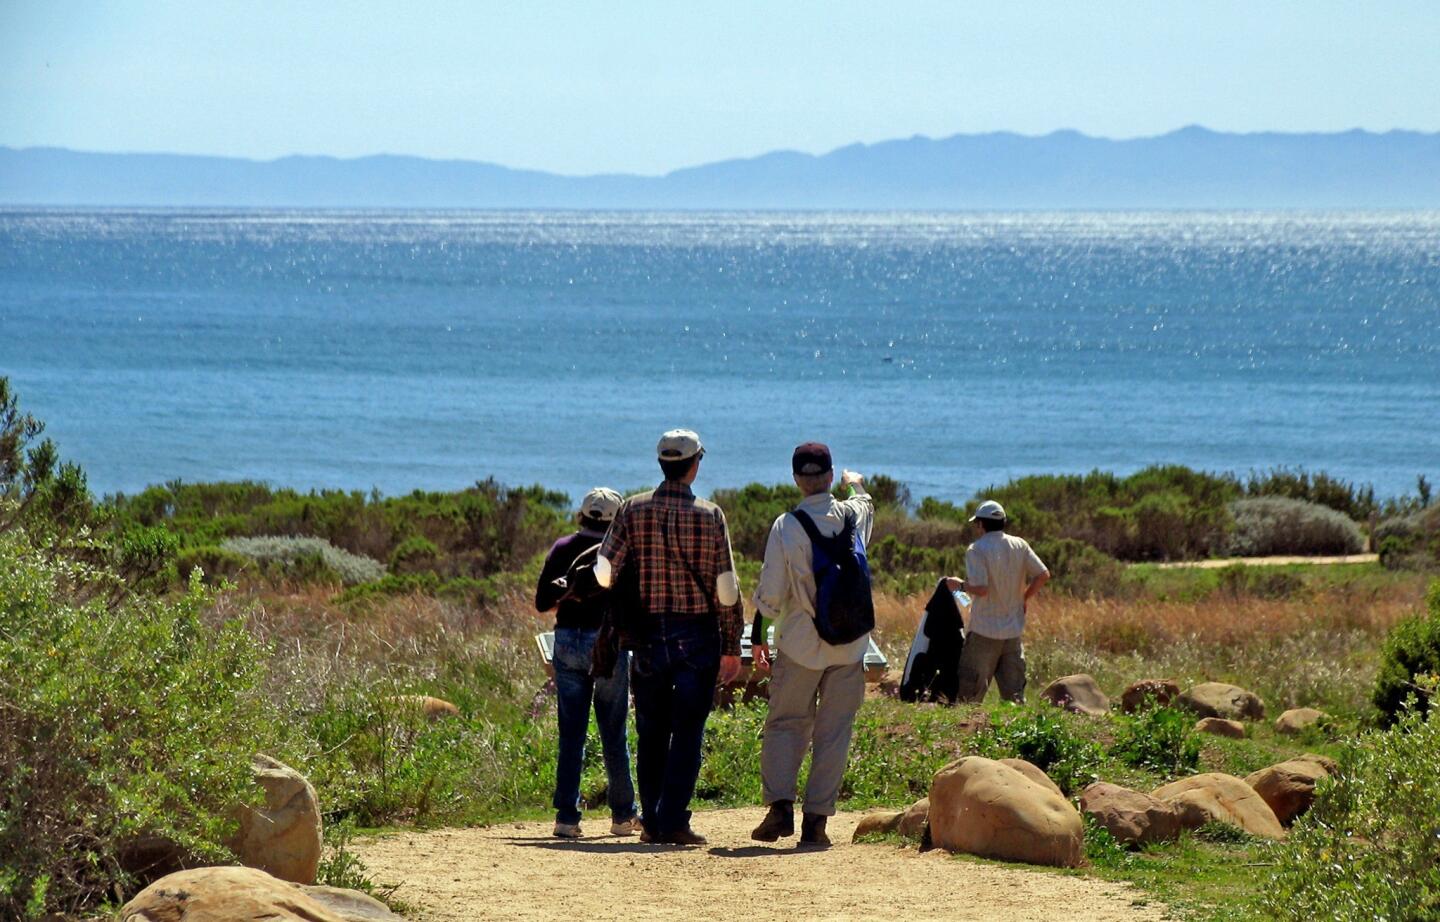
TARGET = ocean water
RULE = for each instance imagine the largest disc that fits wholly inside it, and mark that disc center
(402, 350)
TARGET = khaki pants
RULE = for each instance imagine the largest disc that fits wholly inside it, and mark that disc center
(984, 658)
(809, 709)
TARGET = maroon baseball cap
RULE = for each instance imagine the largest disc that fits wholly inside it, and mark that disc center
(811, 458)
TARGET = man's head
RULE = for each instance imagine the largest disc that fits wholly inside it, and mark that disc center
(814, 472)
(679, 453)
(598, 508)
(990, 515)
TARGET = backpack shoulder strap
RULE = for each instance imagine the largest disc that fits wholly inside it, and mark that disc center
(808, 524)
(843, 538)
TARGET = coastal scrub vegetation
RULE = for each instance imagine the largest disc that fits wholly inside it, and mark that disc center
(151, 644)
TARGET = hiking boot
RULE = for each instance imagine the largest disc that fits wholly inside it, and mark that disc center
(812, 831)
(686, 836)
(625, 827)
(645, 837)
(780, 821)
(567, 831)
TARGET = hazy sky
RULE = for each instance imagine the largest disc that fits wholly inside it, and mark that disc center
(647, 87)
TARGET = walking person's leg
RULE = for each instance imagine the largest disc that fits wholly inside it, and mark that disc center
(1010, 671)
(612, 704)
(978, 661)
(789, 726)
(651, 681)
(695, 648)
(842, 691)
(573, 687)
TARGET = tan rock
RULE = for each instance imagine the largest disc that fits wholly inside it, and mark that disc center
(1297, 720)
(1288, 787)
(1217, 699)
(1136, 695)
(914, 820)
(1325, 762)
(1033, 772)
(283, 837)
(226, 895)
(1219, 726)
(1132, 817)
(1077, 693)
(433, 708)
(1220, 798)
(981, 807)
(876, 824)
(351, 905)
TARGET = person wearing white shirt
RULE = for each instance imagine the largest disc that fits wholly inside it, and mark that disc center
(816, 688)
(1002, 574)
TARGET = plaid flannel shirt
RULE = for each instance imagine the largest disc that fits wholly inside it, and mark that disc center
(663, 530)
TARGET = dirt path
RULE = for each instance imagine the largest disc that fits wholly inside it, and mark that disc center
(518, 871)
(1264, 561)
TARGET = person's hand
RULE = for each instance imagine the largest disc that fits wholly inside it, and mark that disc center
(729, 669)
(953, 583)
(850, 478)
(761, 654)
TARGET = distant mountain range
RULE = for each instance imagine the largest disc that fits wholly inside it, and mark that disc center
(1189, 168)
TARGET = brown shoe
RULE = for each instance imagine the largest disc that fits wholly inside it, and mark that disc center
(780, 821)
(812, 831)
(686, 836)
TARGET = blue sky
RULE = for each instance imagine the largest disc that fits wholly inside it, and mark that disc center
(648, 87)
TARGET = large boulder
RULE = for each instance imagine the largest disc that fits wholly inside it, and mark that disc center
(1077, 693)
(1033, 772)
(1298, 720)
(283, 837)
(228, 894)
(914, 820)
(1219, 726)
(876, 824)
(1132, 817)
(1140, 694)
(1288, 787)
(1325, 762)
(1216, 699)
(981, 807)
(1220, 798)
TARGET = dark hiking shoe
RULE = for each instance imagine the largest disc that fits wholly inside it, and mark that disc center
(686, 836)
(780, 821)
(812, 831)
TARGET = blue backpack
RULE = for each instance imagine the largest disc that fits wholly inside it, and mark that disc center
(844, 610)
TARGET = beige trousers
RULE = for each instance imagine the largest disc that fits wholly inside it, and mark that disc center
(984, 658)
(809, 709)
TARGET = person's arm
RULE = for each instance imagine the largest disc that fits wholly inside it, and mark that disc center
(772, 593)
(858, 499)
(975, 581)
(732, 613)
(614, 549)
(1035, 585)
(1037, 571)
(547, 594)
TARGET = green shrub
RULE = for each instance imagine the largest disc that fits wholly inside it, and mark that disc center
(1044, 736)
(1080, 570)
(307, 559)
(215, 563)
(118, 723)
(1356, 503)
(1275, 525)
(415, 555)
(750, 512)
(1369, 847)
(1158, 739)
(1410, 542)
(1411, 651)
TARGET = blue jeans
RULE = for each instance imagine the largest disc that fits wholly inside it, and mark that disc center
(674, 670)
(575, 690)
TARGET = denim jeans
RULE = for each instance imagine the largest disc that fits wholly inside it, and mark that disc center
(575, 689)
(674, 669)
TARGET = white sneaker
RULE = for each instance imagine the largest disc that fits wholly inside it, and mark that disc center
(567, 830)
(630, 827)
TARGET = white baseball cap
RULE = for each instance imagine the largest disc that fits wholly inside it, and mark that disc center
(600, 503)
(678, 445)
(989, 510)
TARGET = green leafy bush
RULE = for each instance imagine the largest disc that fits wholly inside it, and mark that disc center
(1276, 525)
(307, 559)
(1369, 847)
(1356, 503)
(1080, 570)
(1410, 542)
(1158, 739)
(119, 723)
(1411, 651)
(1045, 737)
(415, 555)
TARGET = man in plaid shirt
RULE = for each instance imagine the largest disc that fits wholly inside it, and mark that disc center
(686, 635)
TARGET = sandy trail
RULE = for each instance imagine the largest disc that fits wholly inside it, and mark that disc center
(1264, 562)
(518, 871)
